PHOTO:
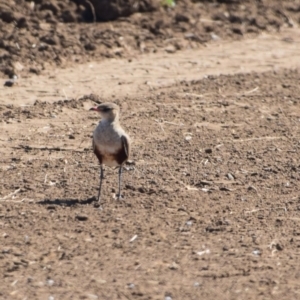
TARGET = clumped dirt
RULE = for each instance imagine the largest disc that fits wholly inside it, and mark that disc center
(37, 34)
(211, 196)
(110, 10)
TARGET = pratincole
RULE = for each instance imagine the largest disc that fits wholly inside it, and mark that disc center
(111, 144)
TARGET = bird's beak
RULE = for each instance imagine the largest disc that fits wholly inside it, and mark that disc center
(94, 108)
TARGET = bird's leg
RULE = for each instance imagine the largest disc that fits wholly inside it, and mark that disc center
(101, 178)
(120, 181)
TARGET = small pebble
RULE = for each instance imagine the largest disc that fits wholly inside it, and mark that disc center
(230, 176)
(133, 238)
(214, 36)
(256, 252)
(26, 238)
(9, 83)
(92, 296)
(131, 285)
(81, 217)
(206, 251)
(174, 266)
(189, 223)
(50, 282)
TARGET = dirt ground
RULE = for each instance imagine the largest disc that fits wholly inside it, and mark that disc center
(211, 194)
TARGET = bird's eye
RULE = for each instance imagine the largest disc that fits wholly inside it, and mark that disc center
(105, 109)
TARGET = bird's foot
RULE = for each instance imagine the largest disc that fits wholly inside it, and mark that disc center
(97, 204)
(119, 197)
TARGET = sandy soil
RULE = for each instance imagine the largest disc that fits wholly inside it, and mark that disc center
(211, 196)
(118, 79)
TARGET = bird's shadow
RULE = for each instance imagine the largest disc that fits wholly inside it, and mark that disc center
(67, 202)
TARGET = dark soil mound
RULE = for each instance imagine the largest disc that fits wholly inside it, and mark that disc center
(36, 34)
(109, 10)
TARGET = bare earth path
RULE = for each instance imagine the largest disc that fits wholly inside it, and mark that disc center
(211, 208)
(123, 78)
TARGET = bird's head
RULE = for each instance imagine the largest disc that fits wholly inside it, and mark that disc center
(108, 111)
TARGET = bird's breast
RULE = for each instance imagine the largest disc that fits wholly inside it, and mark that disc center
(107, 145)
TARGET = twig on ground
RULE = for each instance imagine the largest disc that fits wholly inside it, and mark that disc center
(167, 122)
(263, 209)
(251, 91)
(253, 210)
(10, 195)
(195, 95)
(260, 138)
(255, 189)
(65, 94)
(160, 125)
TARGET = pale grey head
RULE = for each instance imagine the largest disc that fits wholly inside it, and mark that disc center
(108, 111)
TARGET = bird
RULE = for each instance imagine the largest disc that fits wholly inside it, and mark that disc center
(111, 144)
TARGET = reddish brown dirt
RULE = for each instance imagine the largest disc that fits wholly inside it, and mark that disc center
(36, 34)
(212, 199)
(211, 196)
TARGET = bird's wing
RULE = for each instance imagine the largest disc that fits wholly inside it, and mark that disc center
(97, 153)
(94, 146)
(126, 145)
